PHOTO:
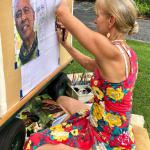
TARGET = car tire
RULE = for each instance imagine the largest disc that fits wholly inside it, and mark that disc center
(12, 137)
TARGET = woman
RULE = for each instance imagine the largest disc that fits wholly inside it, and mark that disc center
(107, 124)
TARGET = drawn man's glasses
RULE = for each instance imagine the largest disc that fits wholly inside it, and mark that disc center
(25, 10)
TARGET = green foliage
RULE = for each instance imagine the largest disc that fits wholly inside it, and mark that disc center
(144, 7)
(141, 96)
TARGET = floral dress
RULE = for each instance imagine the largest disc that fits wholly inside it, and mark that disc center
(106, 126)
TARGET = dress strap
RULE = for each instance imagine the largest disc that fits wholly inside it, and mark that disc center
(122, 50)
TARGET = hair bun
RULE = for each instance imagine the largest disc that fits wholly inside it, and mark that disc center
(134, 29)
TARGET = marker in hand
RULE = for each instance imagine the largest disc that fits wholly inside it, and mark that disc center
(61, 28)
(63, 34)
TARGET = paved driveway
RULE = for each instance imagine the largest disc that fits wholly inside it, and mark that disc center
(85, 12)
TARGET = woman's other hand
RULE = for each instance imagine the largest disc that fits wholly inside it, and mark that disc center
(62, 33)
(62, 8)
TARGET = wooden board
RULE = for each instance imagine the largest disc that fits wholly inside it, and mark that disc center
(12, 76)
(63, 53)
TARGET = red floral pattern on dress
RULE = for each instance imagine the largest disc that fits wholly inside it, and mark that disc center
(105, 126)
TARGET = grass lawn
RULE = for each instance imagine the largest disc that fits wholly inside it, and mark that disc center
(141, 96)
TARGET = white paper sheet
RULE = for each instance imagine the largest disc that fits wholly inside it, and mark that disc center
(38, 69)
(33, 72)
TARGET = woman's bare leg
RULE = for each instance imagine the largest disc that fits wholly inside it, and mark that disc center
(71, 105)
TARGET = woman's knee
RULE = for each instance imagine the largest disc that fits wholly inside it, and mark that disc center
(60, 99)
(66, 101)
(71, 105)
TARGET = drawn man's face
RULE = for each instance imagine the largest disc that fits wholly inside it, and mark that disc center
(24, 18)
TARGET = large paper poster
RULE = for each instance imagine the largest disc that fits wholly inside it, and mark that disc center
(36, 45)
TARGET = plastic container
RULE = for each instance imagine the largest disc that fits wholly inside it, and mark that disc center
(81, 92)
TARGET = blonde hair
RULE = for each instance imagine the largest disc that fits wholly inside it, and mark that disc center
(125, 12)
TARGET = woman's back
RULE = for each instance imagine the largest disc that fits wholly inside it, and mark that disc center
(111, 110)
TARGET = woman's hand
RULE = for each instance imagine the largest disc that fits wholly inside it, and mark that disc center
(62, 33)
(62, 8)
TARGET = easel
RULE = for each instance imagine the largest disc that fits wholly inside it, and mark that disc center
(12, 77)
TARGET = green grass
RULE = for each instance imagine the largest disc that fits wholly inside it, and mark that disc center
(75, 67)
(141, 95)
